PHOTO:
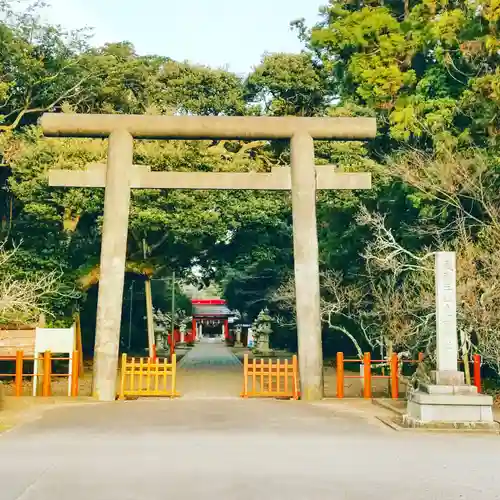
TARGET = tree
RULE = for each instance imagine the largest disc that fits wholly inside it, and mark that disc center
(289, 84)
(24, 298)
(429, 69)
(41, 66)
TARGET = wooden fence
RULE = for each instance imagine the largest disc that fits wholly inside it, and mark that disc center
(45, 362)
(268, 379)
(394, 372)
(143, 377)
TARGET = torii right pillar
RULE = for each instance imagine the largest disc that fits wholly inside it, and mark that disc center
(306, 263)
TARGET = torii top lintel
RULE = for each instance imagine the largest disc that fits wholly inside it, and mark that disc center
(207, 127)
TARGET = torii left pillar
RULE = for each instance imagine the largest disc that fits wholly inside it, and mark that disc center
(113, 255)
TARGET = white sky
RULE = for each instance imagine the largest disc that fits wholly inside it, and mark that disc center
(219, 33)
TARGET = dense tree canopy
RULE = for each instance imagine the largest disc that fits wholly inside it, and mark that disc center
(427, 70)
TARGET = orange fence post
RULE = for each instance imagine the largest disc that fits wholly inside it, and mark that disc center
(153, 357)
(394, 376)
(245, 376)
(19, 373)
(47, 368)
(295, 369)
(367, 389)
(123, 376)
(174, 375)
(340, 375)
(420, 357)
(477, 372)
(74, 373)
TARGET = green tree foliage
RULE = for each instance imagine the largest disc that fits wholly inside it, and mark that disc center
(429, 69)
(289, 84)
(61, 227)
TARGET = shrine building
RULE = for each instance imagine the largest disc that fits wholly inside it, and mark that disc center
(211, 318)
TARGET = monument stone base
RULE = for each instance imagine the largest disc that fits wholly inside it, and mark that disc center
(449, 405)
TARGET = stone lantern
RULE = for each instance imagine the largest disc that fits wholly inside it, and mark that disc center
(262, 332)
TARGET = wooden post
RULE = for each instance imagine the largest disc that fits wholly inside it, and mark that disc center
(75, 373)
(278, 375)
(367, 389)
(295, 366)
(78, 344)
(340, 375)
(420, 357)
(245, 376)
(477, 372)
(174, 374)
(19, 373)
(394, 376)
(47, 369)
(122, 376)
(149, 316)
(172, 317)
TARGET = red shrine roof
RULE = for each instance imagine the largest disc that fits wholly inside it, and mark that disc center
(210, 308)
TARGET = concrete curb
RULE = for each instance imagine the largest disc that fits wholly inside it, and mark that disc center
(396, 427)
(386, 405)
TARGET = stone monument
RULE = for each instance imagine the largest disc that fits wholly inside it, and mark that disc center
(446, 399)
(263, 331)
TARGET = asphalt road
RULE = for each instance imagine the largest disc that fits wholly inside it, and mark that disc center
(238, 449)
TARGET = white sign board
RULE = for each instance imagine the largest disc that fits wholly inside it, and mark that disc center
(446, 311)
(57, 341)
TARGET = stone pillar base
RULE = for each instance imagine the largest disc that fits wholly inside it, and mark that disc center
(448, 377)
(455, 405)
(238, 344)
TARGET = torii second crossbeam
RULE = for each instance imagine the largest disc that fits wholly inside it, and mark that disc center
(279, 179)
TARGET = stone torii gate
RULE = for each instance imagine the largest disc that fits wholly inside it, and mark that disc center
(120, 176)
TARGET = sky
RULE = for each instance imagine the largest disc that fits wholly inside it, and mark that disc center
(231, 34)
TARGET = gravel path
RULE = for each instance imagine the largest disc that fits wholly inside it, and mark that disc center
(210, 370)
(209, 354)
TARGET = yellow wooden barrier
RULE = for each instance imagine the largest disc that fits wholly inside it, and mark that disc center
(142, 377)
(268, 379)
